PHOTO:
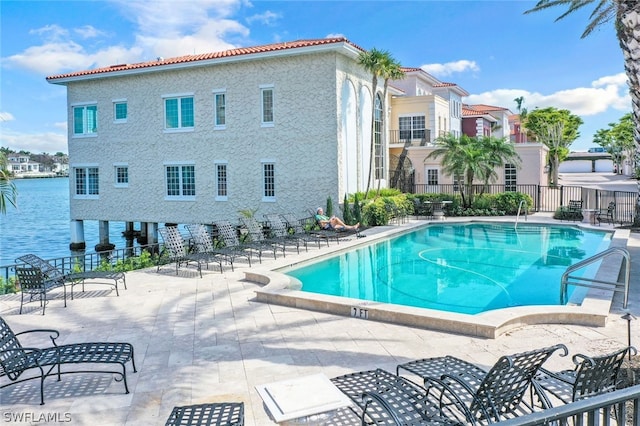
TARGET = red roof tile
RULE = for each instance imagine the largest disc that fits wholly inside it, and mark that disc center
(210, 56)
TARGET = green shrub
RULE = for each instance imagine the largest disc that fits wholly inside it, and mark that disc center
(8, 287)
(347, 215)
(509, 202)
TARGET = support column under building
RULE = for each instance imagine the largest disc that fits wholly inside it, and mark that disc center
(103, 236)
(77, 236)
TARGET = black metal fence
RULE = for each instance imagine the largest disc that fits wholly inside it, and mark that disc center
(87, 261)
(551, 198)
(598, 410)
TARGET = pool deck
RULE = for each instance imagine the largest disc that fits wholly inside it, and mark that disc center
(208, 339)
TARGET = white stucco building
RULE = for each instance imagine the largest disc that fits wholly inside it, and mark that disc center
(194, 139)
(273, 128)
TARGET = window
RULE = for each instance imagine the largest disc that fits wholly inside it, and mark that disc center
(85, 120)
(121, 173)
(268, 181)
(86, 179)
(379, 152)
(120, 111)
(178, 112)
(432, 176)
(412, 127)
(219, 105)
(510, 176)
(181, 181)
(221, 181)
(267, 105)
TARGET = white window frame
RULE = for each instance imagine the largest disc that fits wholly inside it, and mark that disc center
(437, 173)
(117, 166)
(86, 167)
(179, 197)
(178, 97)
(510, 182)
(264, 88)
(224, 163)
(413, 130)
(117, 102)
(86, 133)
(216, 93)
(264, 184)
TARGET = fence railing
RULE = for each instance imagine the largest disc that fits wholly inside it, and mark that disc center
(625, 403)
(550, 198)
(87, 261)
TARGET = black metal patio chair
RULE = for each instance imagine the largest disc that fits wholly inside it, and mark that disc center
(231, 244)
(176, 250)
(301, 227)
(33, 282)
(471, 394)
(572, 211)
(16, 360)
(256, 236)
(591, 376)
(278, 229)
(383, 398)
(203, 243)
(215, 414)
(72, 278)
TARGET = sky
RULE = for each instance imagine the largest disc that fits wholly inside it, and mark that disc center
(489, 48)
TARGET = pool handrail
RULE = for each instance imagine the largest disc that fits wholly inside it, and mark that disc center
(620, 287)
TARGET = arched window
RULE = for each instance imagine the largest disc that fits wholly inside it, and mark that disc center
(379, 151)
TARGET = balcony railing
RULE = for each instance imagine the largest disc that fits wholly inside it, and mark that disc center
(415, 137)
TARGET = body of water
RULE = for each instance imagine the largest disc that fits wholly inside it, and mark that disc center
(40, 224)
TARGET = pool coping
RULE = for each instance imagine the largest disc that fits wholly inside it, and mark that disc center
(280, 289)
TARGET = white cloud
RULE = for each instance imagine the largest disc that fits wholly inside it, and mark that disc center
(604, 93)
(444, 70)
(335, 35)
(36, 143)
(88, 31)
(267, 18)
(161, 29)
(6, 116)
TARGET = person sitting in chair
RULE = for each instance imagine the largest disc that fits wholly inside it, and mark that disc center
(332, 222)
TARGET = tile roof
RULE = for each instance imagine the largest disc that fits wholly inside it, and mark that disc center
(237, 52)
(486, 108)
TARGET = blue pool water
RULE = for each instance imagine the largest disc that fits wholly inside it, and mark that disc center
(465, 267)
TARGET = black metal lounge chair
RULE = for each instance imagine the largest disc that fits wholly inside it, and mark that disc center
(216, 414)
(174, 245)
(591, 376)
(232, 245)
(384, 398)
(256, 236)
(329, 232)
(301, 227)
(471, 394)
(203, 243)
(278, 228)
(16, 360)
(55, 276)
(34, 283)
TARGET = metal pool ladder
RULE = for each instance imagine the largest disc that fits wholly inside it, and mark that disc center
(518, 216)
(620, 287)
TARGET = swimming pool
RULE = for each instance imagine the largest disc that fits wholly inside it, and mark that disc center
(466, 268)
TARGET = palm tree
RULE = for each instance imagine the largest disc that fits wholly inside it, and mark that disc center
(626, 17)
(373, 61)
(468, 159)
(8, 191)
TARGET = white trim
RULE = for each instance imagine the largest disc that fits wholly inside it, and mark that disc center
(215, 180)
(116, 184)
(178, 95)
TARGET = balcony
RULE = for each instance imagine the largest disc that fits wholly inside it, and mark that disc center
(415, 137)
